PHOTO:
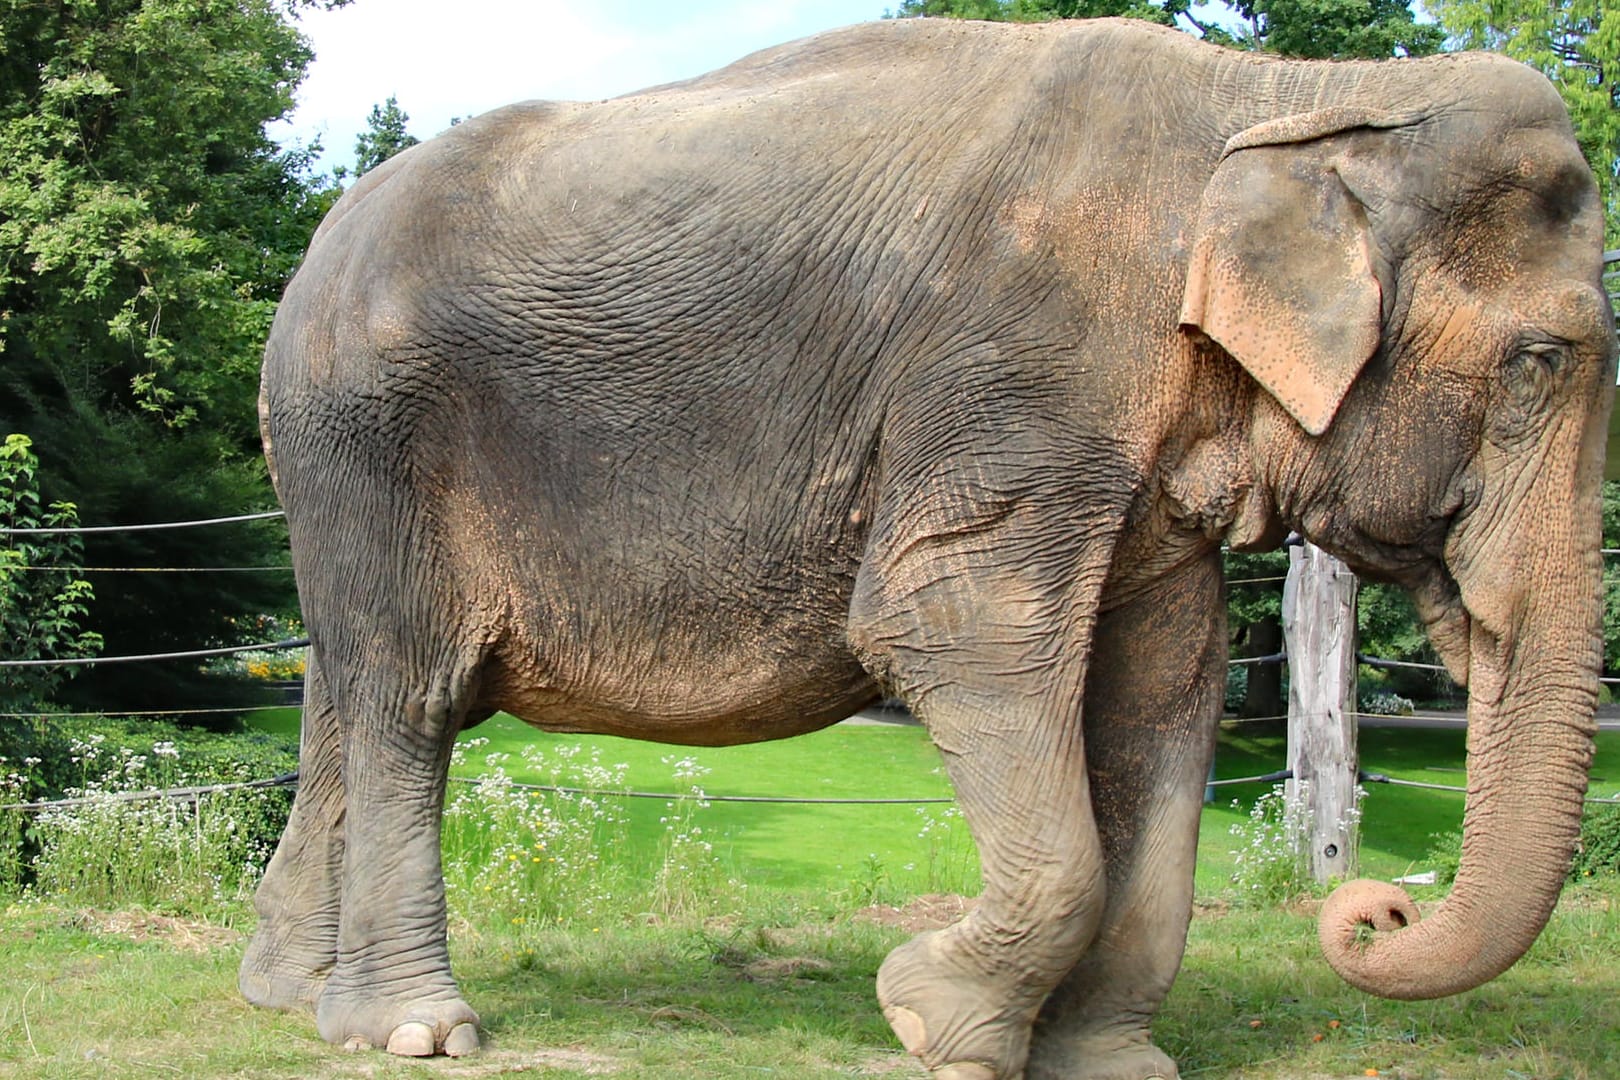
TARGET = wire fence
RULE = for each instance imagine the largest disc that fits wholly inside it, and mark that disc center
(149, 527)
(290, 780)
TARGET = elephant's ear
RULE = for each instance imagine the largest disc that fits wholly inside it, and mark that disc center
(1282, 273)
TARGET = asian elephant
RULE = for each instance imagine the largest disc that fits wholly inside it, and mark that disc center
(938, 360)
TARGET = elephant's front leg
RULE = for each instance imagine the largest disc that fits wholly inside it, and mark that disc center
(994, 663)
(1152, 706)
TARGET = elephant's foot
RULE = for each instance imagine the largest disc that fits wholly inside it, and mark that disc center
(1131, 1057)
(960, 1022)
(417, 1026)
(277, 973)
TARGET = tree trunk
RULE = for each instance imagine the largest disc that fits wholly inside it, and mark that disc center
(1264, 694)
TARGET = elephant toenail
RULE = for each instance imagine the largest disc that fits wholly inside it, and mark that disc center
(909, 1027)
(967, 1070)
(462, 1040)
(356, 1042)
(411, 1039)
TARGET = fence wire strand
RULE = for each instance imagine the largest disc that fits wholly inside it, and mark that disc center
(89, 661)
(180, 794)
(79, 530)
(160, 569)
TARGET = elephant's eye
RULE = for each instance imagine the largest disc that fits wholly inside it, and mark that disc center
(1530, 373)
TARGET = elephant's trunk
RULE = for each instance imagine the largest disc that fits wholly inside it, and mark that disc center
(1533, 658)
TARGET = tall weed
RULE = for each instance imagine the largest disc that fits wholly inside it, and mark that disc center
(689, 879)
(196, 855)
(559, 850)
(528, 856)
(1272, 868)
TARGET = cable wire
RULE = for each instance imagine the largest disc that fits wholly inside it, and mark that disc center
(80, 529)
(87, 661)
(157, 569)
(182, 794)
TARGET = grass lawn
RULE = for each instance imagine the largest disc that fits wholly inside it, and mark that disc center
(92, 995)
(777, 982)
(870, 848)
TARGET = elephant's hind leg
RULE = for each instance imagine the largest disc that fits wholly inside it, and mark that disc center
(391, 984)
(295, 945)
(1152, 705)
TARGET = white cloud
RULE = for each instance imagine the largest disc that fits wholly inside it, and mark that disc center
(444, 60)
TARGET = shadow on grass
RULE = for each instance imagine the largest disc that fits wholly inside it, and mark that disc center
(1254, 1001)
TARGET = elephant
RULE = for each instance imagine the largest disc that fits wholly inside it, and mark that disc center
(938, 360)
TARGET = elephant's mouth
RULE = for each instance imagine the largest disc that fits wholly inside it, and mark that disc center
(1439, 604)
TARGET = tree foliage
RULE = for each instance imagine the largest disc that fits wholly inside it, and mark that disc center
(147, 228)
(1159, 11)
(1317, 29)
(1576, 44)
(1336, 29)
(385, 136)
(43, 597)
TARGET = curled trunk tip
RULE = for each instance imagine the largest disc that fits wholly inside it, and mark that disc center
(1351, 930)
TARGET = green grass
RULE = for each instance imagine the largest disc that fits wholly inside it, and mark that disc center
(780, 983)
(795, 846)
(786, 994)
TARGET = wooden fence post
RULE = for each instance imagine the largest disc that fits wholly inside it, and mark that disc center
(1319, 628)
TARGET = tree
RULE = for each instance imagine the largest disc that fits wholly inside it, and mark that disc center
(43, 598)
(385, 136)
(1336, 29)
(1163, 12)
(1316, 29)
(147, 228)
(1576, 44)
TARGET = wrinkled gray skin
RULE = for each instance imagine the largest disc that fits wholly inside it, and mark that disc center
(939, 359)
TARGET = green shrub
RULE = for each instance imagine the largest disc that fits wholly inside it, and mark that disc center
(1271, 866)
(1237, 686)
(1386, 703)
(1445, 856)
(194, 856)
(1598, 854)
(533, 858)
(43, 600)
(1599, 851)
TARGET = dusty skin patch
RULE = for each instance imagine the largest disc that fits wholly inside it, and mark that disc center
(185, 935)
(934, 911)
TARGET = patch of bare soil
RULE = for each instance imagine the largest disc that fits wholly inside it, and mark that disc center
(934, 911)
(490, 1061)
(777, 968)
(896, 1064)
(186, 935)
(508, 1062)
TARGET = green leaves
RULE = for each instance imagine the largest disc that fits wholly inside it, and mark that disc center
(1316, 29)
(385, 136)
(143, 212)
(43, 601)
(1576, 44)
(147, 229)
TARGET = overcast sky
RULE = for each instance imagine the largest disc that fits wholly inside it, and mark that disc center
(450, 58)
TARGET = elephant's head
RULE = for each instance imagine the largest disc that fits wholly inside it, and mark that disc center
(1419, 293)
